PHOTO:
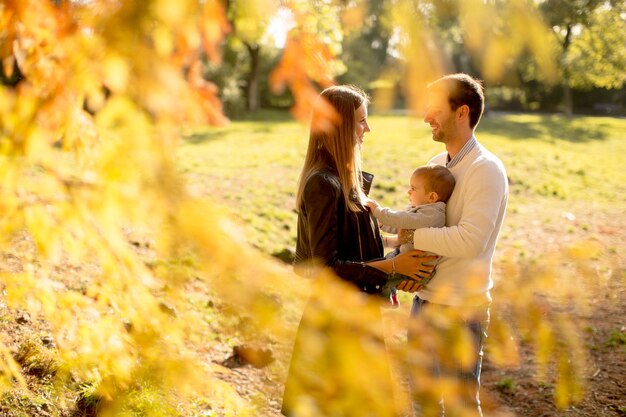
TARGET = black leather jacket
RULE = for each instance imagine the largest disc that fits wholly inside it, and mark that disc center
(332, 234)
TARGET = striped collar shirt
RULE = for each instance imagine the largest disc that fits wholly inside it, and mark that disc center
(467, 148)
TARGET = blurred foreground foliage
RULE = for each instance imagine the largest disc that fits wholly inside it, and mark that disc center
(87, 138)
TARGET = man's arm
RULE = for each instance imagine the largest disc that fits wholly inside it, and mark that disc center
(484, 193)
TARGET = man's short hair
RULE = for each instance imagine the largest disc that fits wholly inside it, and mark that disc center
(462, 89)
(438, 179)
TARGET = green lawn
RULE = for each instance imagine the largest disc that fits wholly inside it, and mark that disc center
(552, 161)
(567, 185)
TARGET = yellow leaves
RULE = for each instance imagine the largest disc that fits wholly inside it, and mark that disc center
(116, 73)
(535, 297)
(8, 66)
(40, 218)
(213, 27)
(560, 356)
(473, 15)
(541, 45)
(172, 14)
(124, 121)
(503, 344)
(384, 89)
(7, 36)
(113, 329)
(9, 371)
(544, 345)
(80, 134)
(310, 56)
(336, 350)
(127, 320)
(225, 261)
(416, 44)
(227, 399)
(495, 34)
(252, 18)
(40, 59)
(19, 125)
(326, 118)
(143, 60)
(45, 100)
(512, 31)
(206, 97)
(353, 15)
(19, 288)
(585, 251)
(305, 58)
(164, 41)
(569, 385)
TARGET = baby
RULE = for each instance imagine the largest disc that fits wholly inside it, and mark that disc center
(430, 189)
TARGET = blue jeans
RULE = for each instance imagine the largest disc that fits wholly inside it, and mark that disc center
(468, 379)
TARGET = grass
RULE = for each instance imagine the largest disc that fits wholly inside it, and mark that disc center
(616, 338)
(567, 185)
(35, 359)
(252, 166)
(506, 385)
(22, 403)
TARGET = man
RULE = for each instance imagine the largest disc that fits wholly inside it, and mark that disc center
(474, 217)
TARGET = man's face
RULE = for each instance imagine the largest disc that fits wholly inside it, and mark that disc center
(440, 117)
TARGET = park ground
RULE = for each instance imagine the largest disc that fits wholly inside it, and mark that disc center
(566, 191)
(516, 390)
(566, 208)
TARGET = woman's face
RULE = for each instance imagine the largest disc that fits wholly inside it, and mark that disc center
(360, 121)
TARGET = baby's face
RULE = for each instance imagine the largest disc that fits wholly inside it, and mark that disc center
(417, 191)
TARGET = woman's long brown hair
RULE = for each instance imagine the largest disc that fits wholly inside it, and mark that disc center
(333, 136)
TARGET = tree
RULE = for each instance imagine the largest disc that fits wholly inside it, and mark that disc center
(432, 37)
(366, 43)
(310, 56)
(573, 24)
(250, 20)
(595, 58)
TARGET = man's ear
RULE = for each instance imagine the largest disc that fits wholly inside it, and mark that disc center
(463, 111)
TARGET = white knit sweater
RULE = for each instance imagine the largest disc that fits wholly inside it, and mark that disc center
(474, 217)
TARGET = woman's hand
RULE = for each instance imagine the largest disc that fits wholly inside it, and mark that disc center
(414, 264)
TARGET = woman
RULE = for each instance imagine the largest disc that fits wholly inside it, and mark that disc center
(335, 230)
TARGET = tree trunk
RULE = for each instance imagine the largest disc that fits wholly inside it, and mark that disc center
(252, 85)
(568, 104)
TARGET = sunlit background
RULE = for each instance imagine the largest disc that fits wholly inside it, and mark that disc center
(149, 158)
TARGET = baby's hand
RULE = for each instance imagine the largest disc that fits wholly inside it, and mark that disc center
(372, 204)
